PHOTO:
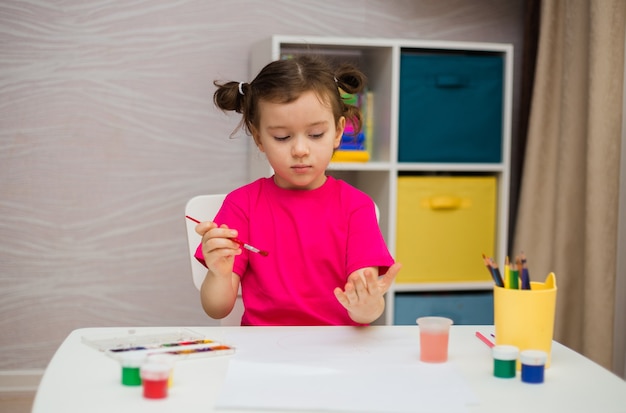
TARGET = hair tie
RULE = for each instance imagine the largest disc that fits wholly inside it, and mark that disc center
(241, 89)
(335, 79)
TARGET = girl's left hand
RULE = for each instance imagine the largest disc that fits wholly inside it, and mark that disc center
(363, 294)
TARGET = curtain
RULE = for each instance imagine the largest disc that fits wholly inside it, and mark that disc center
(567, 216)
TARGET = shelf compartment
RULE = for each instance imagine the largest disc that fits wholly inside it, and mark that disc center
(463, 307)
(450, 107)
(444, 225)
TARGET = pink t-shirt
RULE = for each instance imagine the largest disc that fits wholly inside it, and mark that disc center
(315, 239)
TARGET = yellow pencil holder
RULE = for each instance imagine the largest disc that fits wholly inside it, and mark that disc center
(525, 318)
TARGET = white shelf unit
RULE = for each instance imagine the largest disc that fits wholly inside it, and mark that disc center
(379, 59)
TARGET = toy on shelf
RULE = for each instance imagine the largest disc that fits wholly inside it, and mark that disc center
(354, 147)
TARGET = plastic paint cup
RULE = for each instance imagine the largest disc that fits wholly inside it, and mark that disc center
(131, 363)
(168, 360)
(434, 337)
(155, 377)
(533, 365)
(504, 361)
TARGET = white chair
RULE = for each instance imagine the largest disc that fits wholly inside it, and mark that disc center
(204, 208)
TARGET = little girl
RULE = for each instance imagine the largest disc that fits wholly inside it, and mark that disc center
(325, 247)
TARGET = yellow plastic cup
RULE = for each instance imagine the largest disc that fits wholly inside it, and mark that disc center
(525, 318)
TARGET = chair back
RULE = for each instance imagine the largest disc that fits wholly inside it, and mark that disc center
(202, 208)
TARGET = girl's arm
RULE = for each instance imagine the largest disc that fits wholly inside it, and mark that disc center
(218, 292)
(363, 294)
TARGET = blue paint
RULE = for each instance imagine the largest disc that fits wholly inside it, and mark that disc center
(532, 374)
(533, 365)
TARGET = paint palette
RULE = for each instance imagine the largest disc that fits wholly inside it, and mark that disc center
(132, 338)
(181, 343)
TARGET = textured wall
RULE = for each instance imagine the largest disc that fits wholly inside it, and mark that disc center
(107, 128)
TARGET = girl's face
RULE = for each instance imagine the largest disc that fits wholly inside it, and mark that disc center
(298, 139)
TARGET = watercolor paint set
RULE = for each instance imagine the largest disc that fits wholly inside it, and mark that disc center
(180, 343)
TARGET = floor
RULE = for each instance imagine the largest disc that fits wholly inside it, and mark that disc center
(16, 402)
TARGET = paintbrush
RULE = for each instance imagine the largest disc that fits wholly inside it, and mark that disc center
(238, 241)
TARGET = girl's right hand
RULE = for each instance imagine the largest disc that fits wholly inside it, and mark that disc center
(218, 248)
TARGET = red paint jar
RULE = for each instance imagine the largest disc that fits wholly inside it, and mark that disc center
(154, 377)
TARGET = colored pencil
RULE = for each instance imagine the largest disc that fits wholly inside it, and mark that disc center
(484, 339)
(507, 273)
(514, 277)
(496, 272)
(525, 274)
(496, 279)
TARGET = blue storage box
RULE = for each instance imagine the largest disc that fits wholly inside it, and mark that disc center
(451, 107)
(463, 307)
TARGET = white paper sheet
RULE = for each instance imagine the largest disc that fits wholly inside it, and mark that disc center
(402, 389)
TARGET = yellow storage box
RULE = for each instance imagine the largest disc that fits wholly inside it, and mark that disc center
(445, 224)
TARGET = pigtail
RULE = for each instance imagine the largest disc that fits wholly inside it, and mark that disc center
(230, 96)
(351, 80)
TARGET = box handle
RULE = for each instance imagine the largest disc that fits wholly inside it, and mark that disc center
(450, 81)
(444, 202)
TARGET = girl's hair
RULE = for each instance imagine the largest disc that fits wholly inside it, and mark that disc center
(283, 81)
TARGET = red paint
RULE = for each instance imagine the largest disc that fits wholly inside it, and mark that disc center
(154, 376)
(155, 389)
(433, 347)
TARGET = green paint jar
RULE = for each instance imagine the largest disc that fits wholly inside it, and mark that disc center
(504, 361)
(130, 376)
(131, 363)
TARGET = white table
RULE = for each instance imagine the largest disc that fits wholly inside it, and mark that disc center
(79, 378)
